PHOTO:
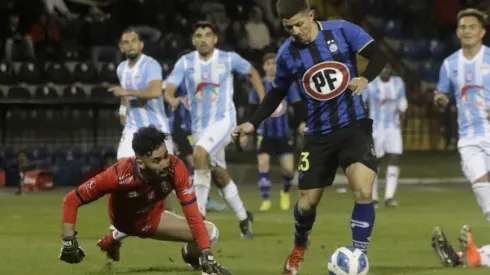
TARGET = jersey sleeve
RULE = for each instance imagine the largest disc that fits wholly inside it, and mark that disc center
(283, 78)
(253, 98)
(239, 64)
(91, 190)
(176, 77)
(119, 72)
(444, 84)
(153, 71)
(187, 197)
(293, 94)
(357, 37)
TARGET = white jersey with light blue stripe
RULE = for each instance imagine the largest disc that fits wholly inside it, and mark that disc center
(385, 100)
(468, 81)
(142, 112)
(209, 85)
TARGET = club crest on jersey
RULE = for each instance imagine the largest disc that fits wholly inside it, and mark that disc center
(281, 109)
(326, 80)
(208, 89)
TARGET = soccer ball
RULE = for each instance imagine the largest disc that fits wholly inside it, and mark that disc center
(348, 260)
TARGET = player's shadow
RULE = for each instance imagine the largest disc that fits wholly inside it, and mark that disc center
(169, 269)
(402, 269)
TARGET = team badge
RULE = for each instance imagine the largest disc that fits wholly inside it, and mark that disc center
(326, 80)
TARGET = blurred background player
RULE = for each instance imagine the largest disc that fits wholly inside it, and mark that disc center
(465, 75)
(137, 187)
(274, 137)
(207, 74)
(469, 256)
(319, 56)
(386, 99)
(140, 78)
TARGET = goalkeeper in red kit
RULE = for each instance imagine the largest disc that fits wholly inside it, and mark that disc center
(137, 188)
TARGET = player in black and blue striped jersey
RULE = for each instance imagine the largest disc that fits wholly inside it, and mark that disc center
(321, 57)
(274, 136)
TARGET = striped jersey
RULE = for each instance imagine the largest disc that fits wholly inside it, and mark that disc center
(209, 85)
(468, 81)
(277, 125)
(323, 70)
(385, 101)
(142, 112)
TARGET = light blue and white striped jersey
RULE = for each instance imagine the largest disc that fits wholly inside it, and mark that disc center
(209, 85)
(469, 82)
(142, 112)
(385, 100)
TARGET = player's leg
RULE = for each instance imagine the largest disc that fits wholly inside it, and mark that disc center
(379, 138)
(444, 250)
(285, 150)
(358, 158)
(393, 148)
(263, 180)
(474, 166)
(229, 191)
(317, 170)
(111, 243)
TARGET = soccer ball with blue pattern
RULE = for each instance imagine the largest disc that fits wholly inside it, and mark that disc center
(348, 260)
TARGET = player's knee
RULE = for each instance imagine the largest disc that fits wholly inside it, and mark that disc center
(213, 232)
(200, 154)
(363, 192)
(308, 201)
(393, 159)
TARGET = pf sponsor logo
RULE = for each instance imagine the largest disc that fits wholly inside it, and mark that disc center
(280, 110)
(326, 80)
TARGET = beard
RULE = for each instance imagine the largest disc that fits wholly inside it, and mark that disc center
(132, 56)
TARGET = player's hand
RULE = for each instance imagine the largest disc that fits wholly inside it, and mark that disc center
(118, 91)
(242, 130)
(358, 84)
(174, 102)
(302, 128)
(440, 99)
(210, 266)
(243, 141)
(123, 119)
(71, 252)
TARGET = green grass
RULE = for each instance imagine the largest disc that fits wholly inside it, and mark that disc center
(30, 236)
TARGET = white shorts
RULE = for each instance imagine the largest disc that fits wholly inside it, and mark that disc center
(485, 255)
(214, 140)
(125, 148)
(387, 141)
(475, 157)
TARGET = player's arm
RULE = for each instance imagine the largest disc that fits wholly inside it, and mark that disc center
(444, 86)
(280, 85)
(402, 98)
(123, 109)
(187, 197)
(364, 44)
(153, 77)
(173, 81)
(242, 66)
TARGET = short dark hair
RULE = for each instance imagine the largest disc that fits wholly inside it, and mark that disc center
(131, 30)
(148, 139)
(268, 56)
(205, 24)
(289, 8)
(479, 15)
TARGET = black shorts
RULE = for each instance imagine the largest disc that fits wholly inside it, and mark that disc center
(322, 155)
(274, 145)
(182, 140)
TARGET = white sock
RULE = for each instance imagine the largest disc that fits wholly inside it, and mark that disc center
(391, 181)
(482, 193)
(118, 235)
(230, 194)
(202, 184)
(375, 189)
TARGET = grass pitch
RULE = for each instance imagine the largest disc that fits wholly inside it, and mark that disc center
(30, 235)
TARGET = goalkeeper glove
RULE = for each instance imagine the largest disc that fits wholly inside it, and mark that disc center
(210, 266)
(70, 251)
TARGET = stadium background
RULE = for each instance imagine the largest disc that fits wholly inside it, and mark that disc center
(55, 114)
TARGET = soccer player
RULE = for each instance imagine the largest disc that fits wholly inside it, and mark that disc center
(137, 187)
(469, 256)
(207, 74)
(465, 75)
(385, 98)
(274, 137)
(320, 57)
(140, 90)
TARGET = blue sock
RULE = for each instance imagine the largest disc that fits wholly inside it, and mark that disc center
(302, 225)
(286, 184)
(264, 186)
(362, 222)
